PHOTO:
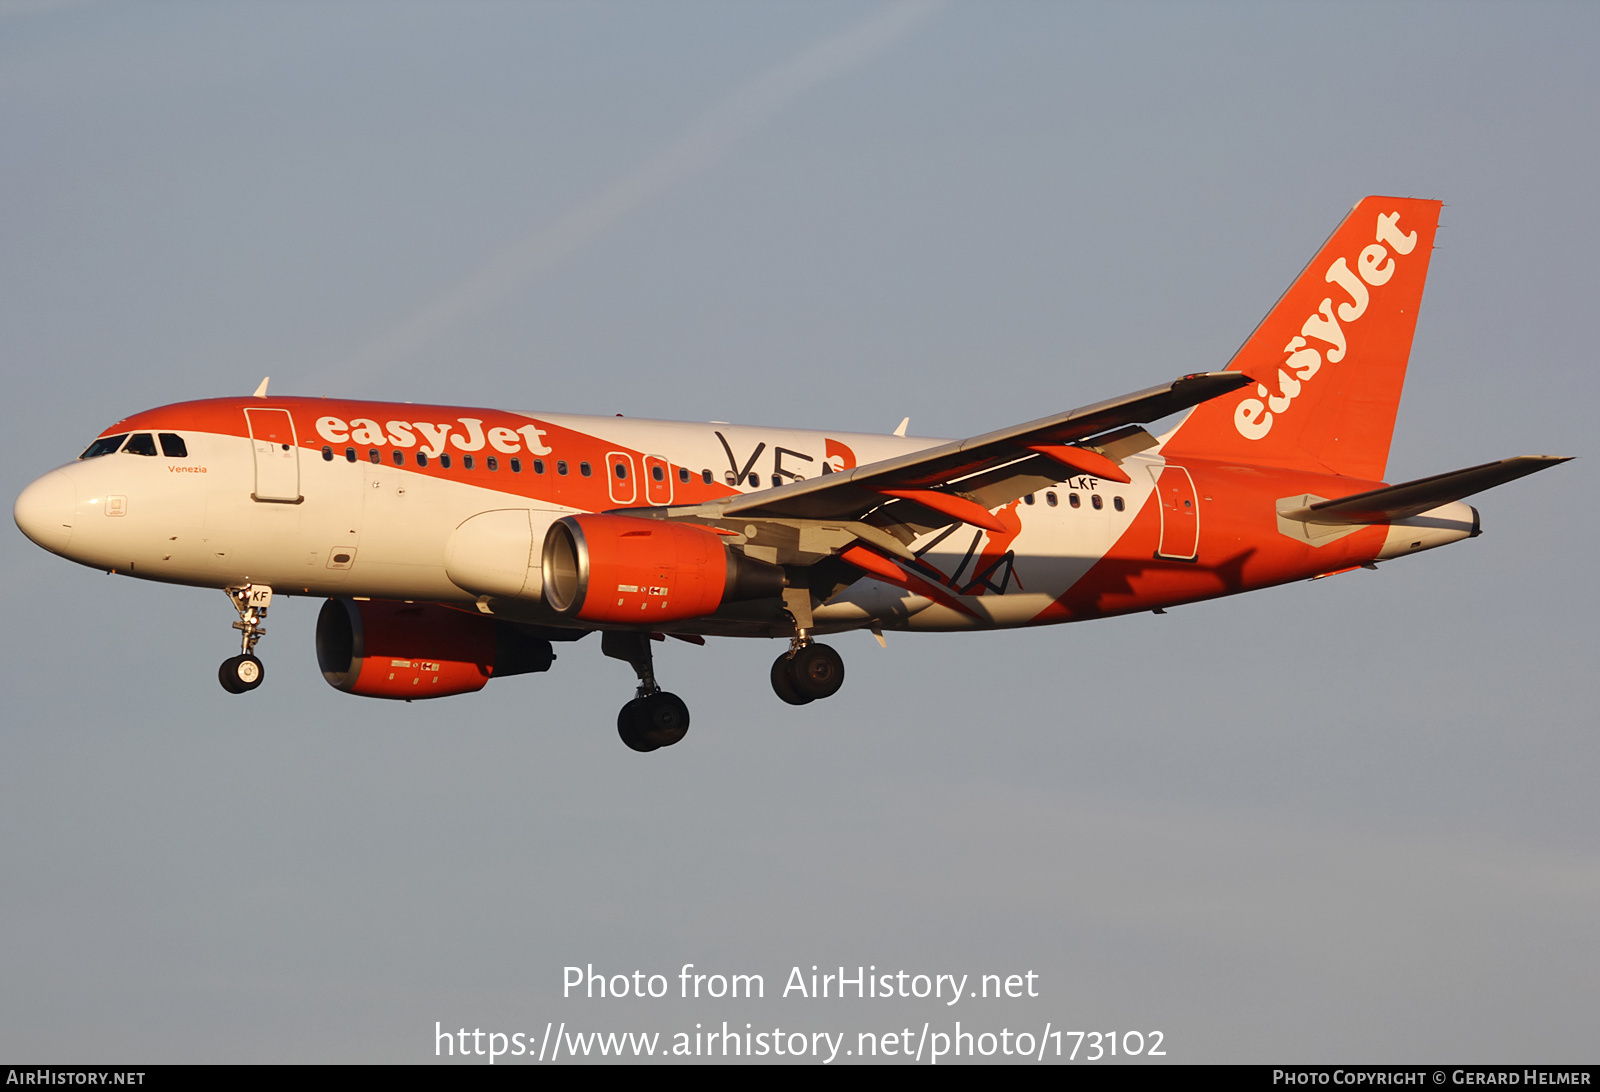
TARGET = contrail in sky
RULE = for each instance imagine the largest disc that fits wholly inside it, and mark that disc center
(737, 116)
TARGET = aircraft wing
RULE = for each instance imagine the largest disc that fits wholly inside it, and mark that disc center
(963, 479)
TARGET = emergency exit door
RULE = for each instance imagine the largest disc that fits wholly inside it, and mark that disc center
(1180, 513)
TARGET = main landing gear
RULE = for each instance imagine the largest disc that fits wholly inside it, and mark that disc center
(654, 718)
(244, 672)
(806, 672)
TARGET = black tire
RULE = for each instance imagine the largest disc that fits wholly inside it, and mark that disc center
(781, 684)
(630, 728)
(816, 671)
(241, 674)
(663, 718)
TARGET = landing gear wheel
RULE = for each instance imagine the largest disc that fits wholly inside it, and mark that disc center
(240, 674)
(663, 717)
(630, 727)
(653, 721)
(816, 671)
(781, 684)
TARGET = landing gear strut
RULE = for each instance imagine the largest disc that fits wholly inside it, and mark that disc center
(244, 672)
(654, 718)
(806, 672)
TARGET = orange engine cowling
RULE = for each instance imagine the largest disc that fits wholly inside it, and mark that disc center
(631, 571)
(385, 649)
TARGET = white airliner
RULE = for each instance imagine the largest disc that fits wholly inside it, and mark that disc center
(454, 545)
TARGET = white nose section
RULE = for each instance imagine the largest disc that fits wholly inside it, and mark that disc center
(45, 511)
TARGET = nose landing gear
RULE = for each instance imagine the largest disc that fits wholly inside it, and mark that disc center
(654, 718)
(244, 672)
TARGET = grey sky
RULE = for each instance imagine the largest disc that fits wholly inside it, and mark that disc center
(1346, 820)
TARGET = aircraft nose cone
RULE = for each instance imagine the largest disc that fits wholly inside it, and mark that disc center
(45, 511)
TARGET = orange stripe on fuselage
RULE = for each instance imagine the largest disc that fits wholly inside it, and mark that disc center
(1240, 548)
(225, 416)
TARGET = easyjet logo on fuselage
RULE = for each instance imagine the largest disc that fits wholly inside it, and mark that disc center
(433, 437)
(1253, 416)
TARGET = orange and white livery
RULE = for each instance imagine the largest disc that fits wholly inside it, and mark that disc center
(456, 544)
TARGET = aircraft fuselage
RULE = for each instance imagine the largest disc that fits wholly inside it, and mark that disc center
(362, 500)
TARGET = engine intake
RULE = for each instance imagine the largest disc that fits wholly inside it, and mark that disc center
(385, 649)
(627, 570)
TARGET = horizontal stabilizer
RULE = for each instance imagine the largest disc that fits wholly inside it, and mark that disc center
(1397, 502)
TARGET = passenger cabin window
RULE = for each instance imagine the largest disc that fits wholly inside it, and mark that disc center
(1028, 499)
(658, 474)
(705, 476)
(1072, 499)
(683, 474)
(561, 466)
(1116, 502)
(399, 457)
(444, 461)
(1097, 501)
(349, 454)
(1050, 499)
(516, 466)
(141, 443)
(538, 466)
(373, 456)
(173, 447)
(621, 470)
(755, 481)
(466, 462)
(422, 458)
(585, 469)
(103, 446)
(327, 454)
(491, 463)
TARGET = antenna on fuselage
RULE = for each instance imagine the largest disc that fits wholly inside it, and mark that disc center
(261, 391)
(901, 431)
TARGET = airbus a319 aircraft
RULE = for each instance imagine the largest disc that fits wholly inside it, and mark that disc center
(457, 545)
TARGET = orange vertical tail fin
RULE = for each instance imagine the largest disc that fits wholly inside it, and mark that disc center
(1329, 360)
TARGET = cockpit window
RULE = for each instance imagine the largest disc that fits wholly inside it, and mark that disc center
(103, 446)
(173, 447)
(142, 443)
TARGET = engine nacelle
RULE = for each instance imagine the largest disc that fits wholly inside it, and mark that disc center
(646, 572)
(385, 649)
